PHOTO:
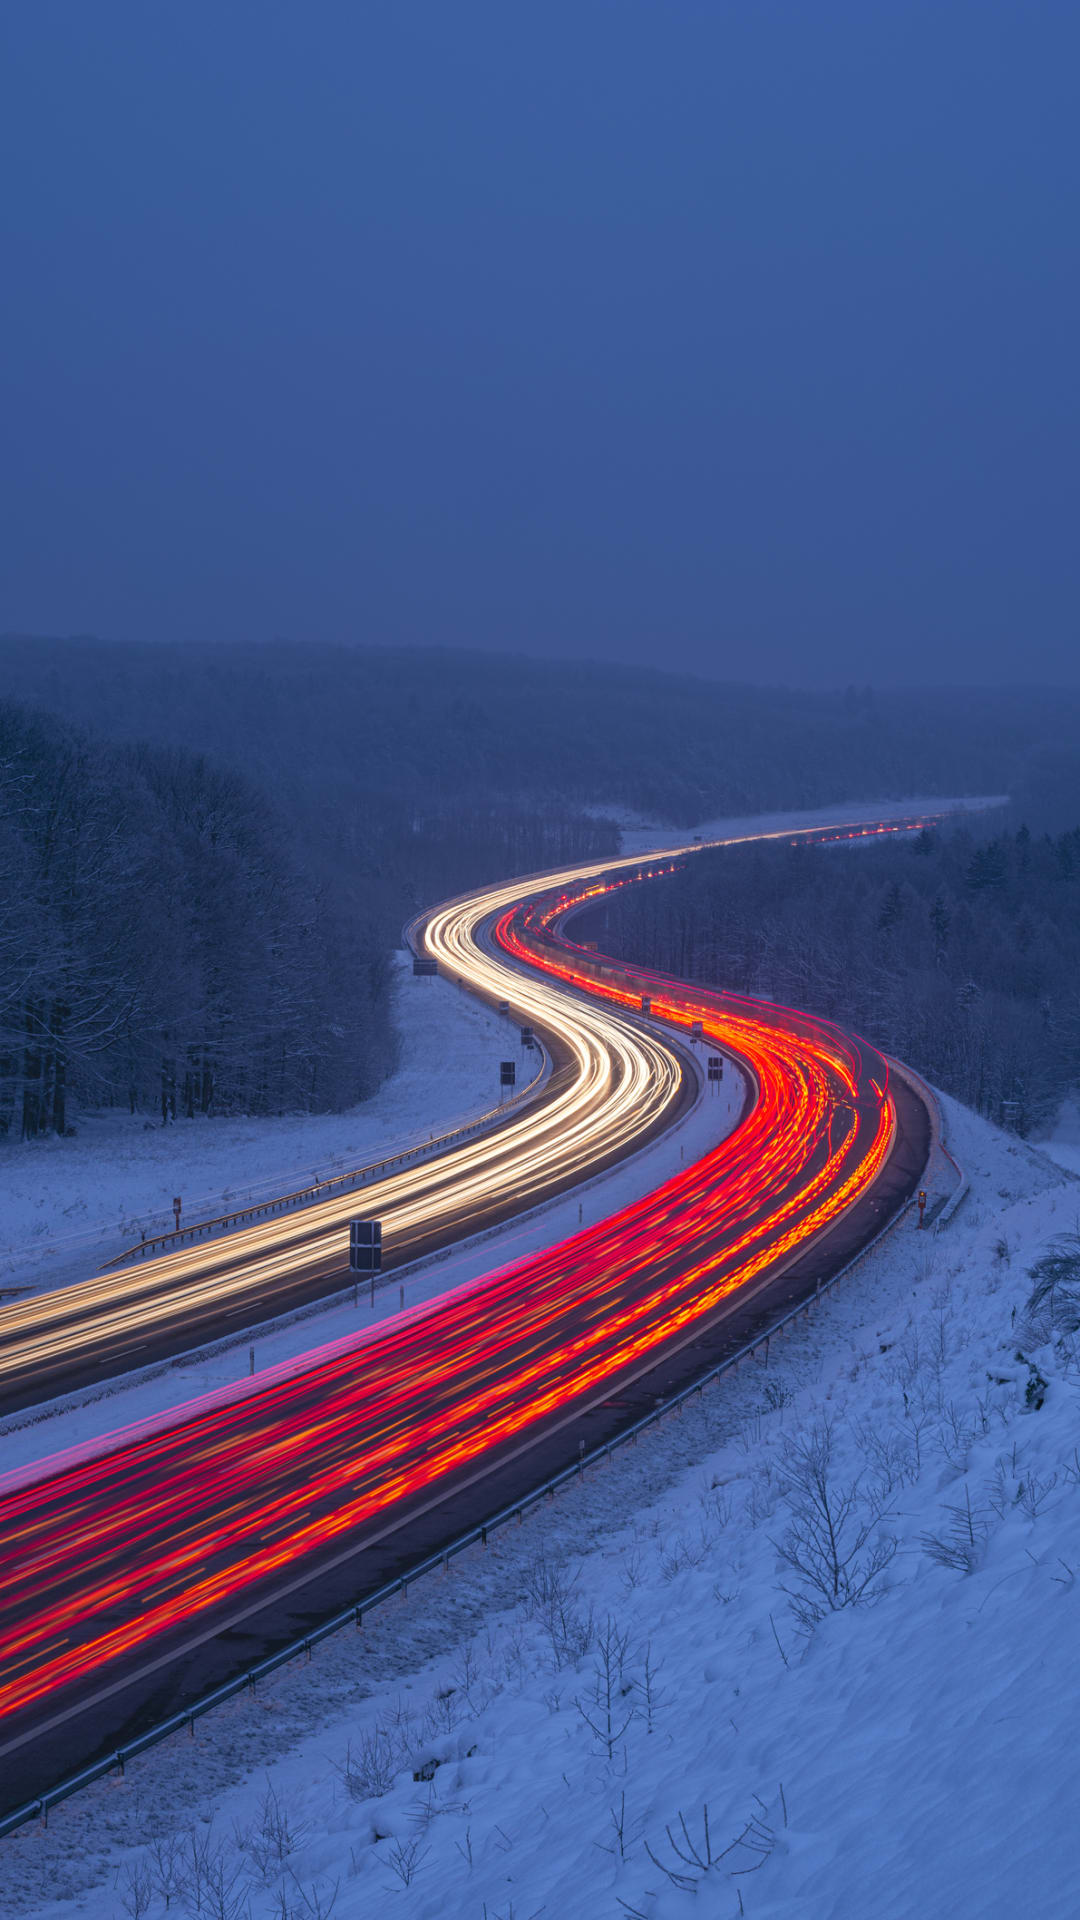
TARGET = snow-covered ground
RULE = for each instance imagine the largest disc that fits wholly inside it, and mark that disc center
(66, 1204)
(547, 1728)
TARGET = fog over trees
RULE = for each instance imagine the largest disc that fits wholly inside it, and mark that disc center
(157, 945)
(207, 854)
(957, 952)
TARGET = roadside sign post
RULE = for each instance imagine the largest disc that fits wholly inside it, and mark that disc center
(922, 1206)
(365, 1250)
(715, 1070)
(176, 1210)
(507, 1075)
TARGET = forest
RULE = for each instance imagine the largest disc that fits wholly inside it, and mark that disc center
(157, 946)
(957, 952)
(170, 944)
(350, 734)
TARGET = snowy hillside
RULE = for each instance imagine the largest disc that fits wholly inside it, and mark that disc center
(659, 1696)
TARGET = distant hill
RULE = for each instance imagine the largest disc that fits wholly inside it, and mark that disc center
(327, 727)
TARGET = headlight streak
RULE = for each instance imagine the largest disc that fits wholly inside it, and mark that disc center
(617, 1088)
(170, 1528)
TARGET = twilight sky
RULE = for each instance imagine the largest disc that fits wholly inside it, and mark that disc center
(727, 335)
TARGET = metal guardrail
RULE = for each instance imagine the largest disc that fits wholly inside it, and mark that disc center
(324, 1189)
(115, 1762)
(943, 1213)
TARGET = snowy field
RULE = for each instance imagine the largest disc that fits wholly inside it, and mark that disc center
(67, 1204)
(640, 835)
(659, 1695)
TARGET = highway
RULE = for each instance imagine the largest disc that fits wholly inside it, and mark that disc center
(126, 1568)
(613, 1086)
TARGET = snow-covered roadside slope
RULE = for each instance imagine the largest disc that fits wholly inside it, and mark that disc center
(65, 1204)
(909, 1754)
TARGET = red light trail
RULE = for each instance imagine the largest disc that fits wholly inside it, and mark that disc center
(172, 1533)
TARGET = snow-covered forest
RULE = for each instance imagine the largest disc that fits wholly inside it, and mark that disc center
(160, 946)
(352, 735)
(958, 953)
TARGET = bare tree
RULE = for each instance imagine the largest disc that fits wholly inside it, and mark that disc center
(833, 1545)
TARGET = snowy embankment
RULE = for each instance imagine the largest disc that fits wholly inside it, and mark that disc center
(67, 1204)
(660, 1695)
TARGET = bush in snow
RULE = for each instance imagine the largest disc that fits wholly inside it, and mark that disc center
(833, 1544)
(1056, 1292)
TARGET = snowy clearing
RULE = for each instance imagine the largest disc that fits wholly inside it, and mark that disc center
(67, 1204)
(530, 1732)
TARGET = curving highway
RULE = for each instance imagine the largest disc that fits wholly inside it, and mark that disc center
(613, 1084)
(120, 1563)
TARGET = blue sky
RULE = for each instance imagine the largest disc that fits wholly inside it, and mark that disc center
(737, 338)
